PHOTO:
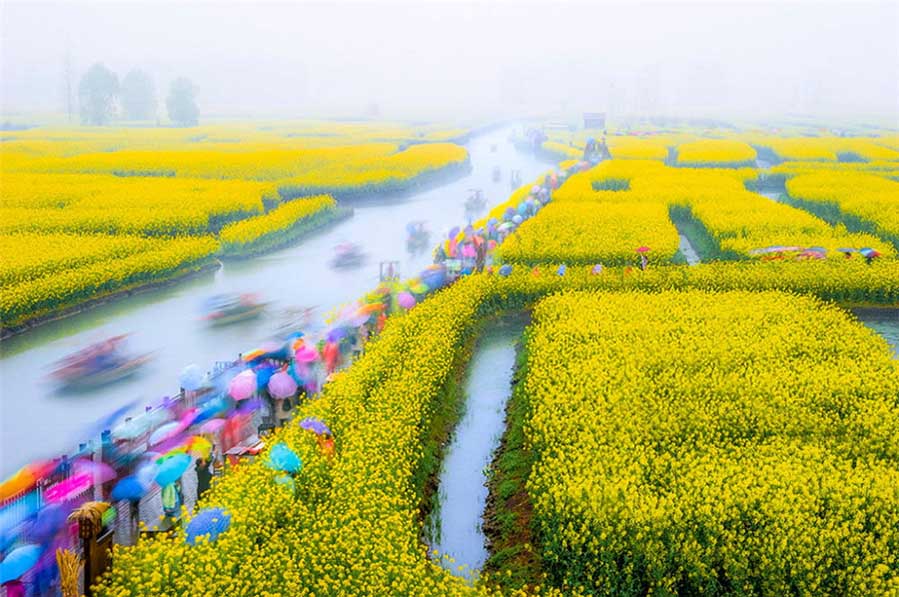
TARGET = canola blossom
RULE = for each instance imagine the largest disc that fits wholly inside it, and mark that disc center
(68, 284)
(353, 526)
(736, 220)
(592, 232)
(716, 153)
(872, 200)
(696, 442)
(237, 237)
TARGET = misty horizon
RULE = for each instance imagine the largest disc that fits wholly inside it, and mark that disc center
(283, 60)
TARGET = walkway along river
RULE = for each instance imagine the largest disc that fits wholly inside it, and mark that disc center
(36, 422)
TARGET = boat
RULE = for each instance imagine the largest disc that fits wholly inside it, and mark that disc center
(98, 365)
(475, 201)
(347, 255)
(417, 235)
(225, 309)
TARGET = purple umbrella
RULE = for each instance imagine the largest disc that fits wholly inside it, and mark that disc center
(405, 300)
(243, 385)
(212, 426)
(315, 426)
(336, 334)
(282, 385)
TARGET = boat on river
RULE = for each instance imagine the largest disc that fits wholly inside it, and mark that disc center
(475, 201)
(417, 236)
(225, 309)
(347, 255)
(98, 365)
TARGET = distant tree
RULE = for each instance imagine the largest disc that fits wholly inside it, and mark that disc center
(181, 104)
(97, 93)
(138, 96)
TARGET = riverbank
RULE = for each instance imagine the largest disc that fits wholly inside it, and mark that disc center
(419, 183)
(126, 291)
(513, 563)
(285, 238)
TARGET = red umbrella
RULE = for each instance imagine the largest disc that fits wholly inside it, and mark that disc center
(643, 249)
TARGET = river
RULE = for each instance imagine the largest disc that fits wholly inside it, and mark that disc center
(36, 422)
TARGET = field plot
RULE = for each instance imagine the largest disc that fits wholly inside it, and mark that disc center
(260, 186)
(711, 442)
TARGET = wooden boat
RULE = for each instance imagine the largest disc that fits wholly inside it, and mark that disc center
(226, 309)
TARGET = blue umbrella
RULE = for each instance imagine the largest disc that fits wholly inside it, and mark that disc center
(191, 378)
(171, 469)
(505, 270)
(18, 562)
(211, 408)
(315, 425)
(210, 522)
(561, 271)
(282, 458)
(129, 488)
(263, 374)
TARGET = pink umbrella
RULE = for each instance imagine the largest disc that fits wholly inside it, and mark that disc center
(100, 471)
(212, 426)
(243, 385)
(406, 300)
(282, 385)
(306, 354)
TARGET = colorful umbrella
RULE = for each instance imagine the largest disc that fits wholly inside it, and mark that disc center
(315, 426)
(282, 385)
(199, 447)
(129, 488)
(25, 478)
(18, 562)
(209, 522)
(308, 354)
(869, 252)
(405, 300)
(243, 385)
(191, 378)
(212, 426)
(282, 458)
(171, 469)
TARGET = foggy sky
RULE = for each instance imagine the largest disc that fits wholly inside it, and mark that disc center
(431, 59)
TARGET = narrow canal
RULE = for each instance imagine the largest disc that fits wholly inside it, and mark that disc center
(462, 490)
(883, 321)
(36, 422)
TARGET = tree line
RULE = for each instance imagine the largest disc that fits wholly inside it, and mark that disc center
(103, 98)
